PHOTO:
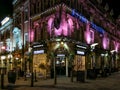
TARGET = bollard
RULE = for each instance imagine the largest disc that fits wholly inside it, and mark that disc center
(35, 77)
(2, 81)
(32, 80)
(71, 76)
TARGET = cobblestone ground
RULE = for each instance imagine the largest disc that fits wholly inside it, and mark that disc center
(111, 82)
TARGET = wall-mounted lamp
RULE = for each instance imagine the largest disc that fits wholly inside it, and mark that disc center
(94, 44)
(113, 51)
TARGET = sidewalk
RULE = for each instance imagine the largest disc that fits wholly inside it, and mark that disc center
(63, 83)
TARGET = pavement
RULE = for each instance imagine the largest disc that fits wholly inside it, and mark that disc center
(111, 82)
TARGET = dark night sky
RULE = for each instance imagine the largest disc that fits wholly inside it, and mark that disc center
(115, 5)
(6, 7)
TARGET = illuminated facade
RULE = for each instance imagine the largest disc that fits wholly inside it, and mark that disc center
(70, 32)
(6, 44)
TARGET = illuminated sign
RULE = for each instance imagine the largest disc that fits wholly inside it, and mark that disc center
(5, 20)
(83, 47)
(99, 29)
(80, 52)
(38, 46)
(84, 20)
(61, 55)
(39, 52)
(94, 44)
(3, 47)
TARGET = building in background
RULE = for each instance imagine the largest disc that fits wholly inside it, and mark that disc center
(6, 61)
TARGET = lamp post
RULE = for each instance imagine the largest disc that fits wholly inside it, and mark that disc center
(3, 57)
(55, 76)
(25, 70)
(10, 61)
(17, 67)
(35, 73)
(2, 75)
(72, 66)
(32, 74)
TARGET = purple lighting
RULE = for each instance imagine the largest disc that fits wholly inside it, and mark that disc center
(70, 26)
(58, 32)
(50, 24)
(116, 45)
(31, 37)
(66, 27)
(105, 42)
(87, 37)
(87, 34)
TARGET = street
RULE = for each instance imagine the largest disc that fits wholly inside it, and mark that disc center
(111, 82)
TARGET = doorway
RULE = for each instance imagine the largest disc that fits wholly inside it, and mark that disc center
(61, 64)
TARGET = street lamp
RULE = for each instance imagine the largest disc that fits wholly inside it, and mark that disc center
(3, 66)
(17, 59)
(10, 60)
(35, 72)
(3, 57)
(3, 47)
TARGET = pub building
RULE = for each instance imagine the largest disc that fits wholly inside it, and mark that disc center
(69, 37)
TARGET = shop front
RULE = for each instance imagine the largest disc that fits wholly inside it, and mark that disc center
(40, 61)
(80, 62)
(52, 57)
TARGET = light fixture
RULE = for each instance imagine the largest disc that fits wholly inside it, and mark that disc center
(112, 51)
(94, 44)
(79, 46)
(5, 20)
(9, 56)
(16, 58)
(3, 57)
(62, 43)
(3, 47)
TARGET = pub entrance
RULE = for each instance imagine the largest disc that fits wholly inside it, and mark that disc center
(61, 64)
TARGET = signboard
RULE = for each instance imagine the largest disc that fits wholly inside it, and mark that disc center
(80, 52)
(61, 55)
(39, 48)
(39, 51)
(80, 49)
(85, 20)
